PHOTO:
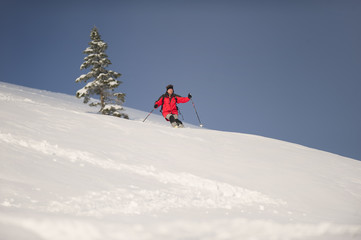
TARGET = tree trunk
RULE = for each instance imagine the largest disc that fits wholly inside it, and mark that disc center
(102, 97)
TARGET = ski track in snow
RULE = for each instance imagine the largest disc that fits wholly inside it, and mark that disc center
(238, 228)
(186, 190)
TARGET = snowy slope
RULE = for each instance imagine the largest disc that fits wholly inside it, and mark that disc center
(69, 173)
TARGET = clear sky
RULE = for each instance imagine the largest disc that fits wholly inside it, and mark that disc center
(288, 70)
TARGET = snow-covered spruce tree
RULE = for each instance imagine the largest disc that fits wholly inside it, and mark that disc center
(104, 81)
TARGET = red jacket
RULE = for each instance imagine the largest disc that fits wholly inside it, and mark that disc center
(170, 103)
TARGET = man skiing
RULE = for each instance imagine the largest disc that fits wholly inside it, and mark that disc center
(169, 109)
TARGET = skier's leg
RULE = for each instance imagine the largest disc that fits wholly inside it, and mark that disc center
(179, 122)
(172, 120)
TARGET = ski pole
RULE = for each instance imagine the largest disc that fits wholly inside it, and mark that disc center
(148, 115)
(200, 124)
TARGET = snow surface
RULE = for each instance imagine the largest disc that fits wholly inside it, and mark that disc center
(69, 173)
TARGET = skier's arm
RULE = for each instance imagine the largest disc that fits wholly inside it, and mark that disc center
(182, 99)
(158, 103)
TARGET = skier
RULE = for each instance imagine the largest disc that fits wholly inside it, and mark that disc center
(169, 109)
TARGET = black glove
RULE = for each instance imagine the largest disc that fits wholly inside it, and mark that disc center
(155, 105)
(189, 96)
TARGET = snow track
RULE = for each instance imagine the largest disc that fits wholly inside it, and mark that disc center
(59, 229)
(180, 190)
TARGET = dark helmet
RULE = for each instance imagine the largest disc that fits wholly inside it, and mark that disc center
(169, 86)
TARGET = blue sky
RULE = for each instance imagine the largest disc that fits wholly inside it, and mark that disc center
(288, 70)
